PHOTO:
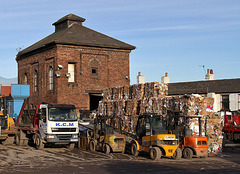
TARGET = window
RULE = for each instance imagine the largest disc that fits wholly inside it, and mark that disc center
(50, 78)
(202, 143)
(35, 80)
(225, 102)
(238, 101)
(94, 71)
(25, 80)
(71, 69)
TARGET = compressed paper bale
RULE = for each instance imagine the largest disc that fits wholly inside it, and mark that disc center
(126, 92)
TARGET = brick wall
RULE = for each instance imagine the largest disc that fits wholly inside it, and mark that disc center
(95, 69)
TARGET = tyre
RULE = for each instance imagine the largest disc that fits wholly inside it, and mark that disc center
(18, 140)
(39, 143)
(155, 153)
(134, 150)
(187, 153)
(71, 146)
(106, 149)
(92, 146)
(178, 154)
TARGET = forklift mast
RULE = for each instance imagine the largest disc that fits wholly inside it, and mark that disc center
(173, 124)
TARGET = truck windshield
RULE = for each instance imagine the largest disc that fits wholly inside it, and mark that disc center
(60, 114)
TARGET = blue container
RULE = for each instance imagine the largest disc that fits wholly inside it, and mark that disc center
(18, 93)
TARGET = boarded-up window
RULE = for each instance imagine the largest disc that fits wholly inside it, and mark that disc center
(71, 69)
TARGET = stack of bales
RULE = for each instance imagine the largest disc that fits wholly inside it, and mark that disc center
(128, 102)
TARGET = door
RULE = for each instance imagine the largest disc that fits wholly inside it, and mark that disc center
(43, 118)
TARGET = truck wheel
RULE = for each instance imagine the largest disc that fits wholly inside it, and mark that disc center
(18, 140)
(106, 149)
(71, 146)
(178, 154)
(187, 153)
(155, 153)
(92, 146)
(39, 143)
(134, 150)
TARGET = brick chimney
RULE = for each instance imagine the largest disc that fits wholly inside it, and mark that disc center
(209, 75)
(67, 21)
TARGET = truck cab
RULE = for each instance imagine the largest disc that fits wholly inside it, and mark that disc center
(47, 124)
(57, 123)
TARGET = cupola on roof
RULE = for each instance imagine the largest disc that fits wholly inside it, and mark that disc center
(67, 21)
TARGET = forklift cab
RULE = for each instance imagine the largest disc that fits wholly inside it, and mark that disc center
(105, 138)
(150, 124)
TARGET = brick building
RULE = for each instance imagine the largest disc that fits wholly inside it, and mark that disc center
(73, 65)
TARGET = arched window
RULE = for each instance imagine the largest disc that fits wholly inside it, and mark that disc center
(50, 78)
(35, 80)
(25, 80)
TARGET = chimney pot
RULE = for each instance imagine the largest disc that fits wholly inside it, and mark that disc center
(165, 79)
(209, 75)
(140, 79)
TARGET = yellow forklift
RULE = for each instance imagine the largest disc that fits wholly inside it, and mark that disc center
(101, 137)
(7, 131)
(152, 137)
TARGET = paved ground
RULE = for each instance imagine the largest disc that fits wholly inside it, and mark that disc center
(15, 159)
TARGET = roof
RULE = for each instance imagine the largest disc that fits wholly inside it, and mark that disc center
(5, 90)
(76, 34)
(204, 87)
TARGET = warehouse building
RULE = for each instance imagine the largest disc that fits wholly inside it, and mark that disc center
(73, 65)
(226, 92)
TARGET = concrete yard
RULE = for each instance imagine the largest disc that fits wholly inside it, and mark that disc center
(26, 159)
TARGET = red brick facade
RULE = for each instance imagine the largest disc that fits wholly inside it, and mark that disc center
(112, 66)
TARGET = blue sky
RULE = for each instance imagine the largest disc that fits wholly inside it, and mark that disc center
(174, 36)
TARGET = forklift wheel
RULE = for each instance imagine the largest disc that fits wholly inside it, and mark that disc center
(134, 150)
(92, 146)
(155, 153)
(187, 153)
(178, 154)
(106, 149)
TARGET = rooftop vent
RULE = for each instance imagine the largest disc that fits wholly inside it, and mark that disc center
(67, 21)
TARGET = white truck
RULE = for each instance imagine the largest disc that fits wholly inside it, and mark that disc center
(47, 124)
